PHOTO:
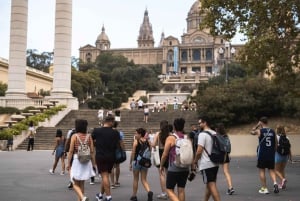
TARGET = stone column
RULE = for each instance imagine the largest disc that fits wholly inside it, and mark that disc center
(17, 50)
(62, 50)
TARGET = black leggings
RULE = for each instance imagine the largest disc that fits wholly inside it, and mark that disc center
(30, 144)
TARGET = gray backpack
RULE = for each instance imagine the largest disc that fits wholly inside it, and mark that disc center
(84, 152)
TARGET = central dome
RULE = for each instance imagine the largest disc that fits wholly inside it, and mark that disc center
(195, 9)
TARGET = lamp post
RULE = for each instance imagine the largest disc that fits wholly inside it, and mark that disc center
(226, 55)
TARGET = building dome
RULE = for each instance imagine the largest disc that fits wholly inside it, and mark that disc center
(195, 9)
(102, 36)
(102, 41)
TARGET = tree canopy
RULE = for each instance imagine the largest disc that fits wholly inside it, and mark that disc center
(39, 61)
(271, 28)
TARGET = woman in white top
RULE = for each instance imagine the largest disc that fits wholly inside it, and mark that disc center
(146, 113)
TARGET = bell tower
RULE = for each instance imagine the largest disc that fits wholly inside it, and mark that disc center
(145, 39)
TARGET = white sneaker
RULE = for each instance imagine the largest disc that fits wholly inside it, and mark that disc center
(51, 171)
(263, 190)
(162, 196)
(62, 173)
(85, 198)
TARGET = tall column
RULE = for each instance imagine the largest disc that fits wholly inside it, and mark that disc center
(62, 50)
(17, 50)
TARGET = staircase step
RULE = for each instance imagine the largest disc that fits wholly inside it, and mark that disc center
(130, 121)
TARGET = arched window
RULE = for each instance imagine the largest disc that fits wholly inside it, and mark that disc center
(88, 57)
(184, 55)
(170, 58)
(208, 54)
(196, 54)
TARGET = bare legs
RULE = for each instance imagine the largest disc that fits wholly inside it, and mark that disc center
(105, 186)
(63, 166)
(227, 175)
(211, 190)
(136, 174)
(78, 187)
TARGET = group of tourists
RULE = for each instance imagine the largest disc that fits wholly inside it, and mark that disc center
(100, 154)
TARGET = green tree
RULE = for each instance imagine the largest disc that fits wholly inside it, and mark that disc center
(270, 26)
(39, 61)
(86, 84)
(3, 88)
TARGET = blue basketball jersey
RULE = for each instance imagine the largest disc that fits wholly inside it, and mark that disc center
(266, 148)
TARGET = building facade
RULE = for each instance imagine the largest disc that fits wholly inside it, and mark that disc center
(197, 52)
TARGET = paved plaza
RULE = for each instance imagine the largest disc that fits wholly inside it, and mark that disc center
(24, 176)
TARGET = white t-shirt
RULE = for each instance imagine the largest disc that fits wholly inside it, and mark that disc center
(100, 114)
(205, 141)
(140, 103)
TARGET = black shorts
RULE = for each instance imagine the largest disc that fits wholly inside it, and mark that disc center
(210, 174)
(166, 164)
(105, 165)
(269, 164)
(227, 160)
(176, 178)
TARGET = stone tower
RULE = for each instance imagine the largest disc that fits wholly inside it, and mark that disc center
(145, 38)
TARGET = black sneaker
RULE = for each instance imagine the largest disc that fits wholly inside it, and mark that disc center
(276, 189)
(70, 186)
(133, 198)
(150, 196)
(230, 191)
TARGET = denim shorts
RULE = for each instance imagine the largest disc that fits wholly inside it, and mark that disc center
(136, 166)
(281, 158)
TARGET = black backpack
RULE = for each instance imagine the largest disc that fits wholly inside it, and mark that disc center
(284, 145)
(220, 148)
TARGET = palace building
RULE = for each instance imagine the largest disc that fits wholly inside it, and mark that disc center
(196, 52)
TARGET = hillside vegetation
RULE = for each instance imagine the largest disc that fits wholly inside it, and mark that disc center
(292, 126)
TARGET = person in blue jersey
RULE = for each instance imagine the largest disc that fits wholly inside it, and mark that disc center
(266, 153)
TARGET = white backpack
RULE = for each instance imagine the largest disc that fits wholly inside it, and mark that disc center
(184, 152)
(84, 152)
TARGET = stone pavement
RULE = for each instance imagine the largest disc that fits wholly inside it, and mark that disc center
(24, 176)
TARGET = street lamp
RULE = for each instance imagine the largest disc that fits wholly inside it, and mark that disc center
(226, 55)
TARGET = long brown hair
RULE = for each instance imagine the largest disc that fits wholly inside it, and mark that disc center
(280, 130)
(164, 131)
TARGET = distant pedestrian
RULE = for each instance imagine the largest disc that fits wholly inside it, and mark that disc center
(176, 176)
(59, 149)
(31, 135)
(132, 104)
(107, 140)
(266, 153)
(146, 113)
(140, 104)
(208, 169)
(79, 172)
(175, 103)
(221, 130)
(100, 116)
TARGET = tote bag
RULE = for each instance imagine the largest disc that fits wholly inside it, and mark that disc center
(156, 158)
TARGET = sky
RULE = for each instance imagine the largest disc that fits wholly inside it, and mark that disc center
(121, 19)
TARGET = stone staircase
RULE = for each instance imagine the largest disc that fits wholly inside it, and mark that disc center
(130, 120)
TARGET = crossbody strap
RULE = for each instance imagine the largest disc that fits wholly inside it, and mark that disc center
(207, 132)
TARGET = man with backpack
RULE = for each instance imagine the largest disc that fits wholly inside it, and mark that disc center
(208, 169)
(107, 140)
